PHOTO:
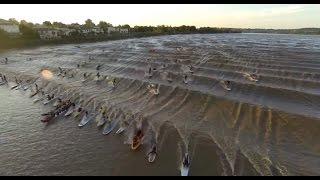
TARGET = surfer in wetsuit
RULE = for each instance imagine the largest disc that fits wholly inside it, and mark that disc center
(37, 89)
(227, 83)
(5, 79)
(98, 67)
(60, 70)
(154, 150)
(79, 109)
(114, 82)
(16, 80)
(191, 69)
(98, 75)
(186, 160)
(48, 97)
(254, 76)
(139, 133)
(185, 79)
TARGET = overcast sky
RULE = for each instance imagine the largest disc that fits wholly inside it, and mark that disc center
(214, 15)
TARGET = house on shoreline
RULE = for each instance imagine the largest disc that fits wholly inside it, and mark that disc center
(56, 33)
(113, 30)
(47, 32)
(9, 27)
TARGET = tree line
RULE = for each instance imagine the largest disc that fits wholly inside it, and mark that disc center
(26, 28)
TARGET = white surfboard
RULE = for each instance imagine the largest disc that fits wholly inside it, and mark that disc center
(109, 127)
(152, 157)
(184, 171)
(86, 119)
(120, 130)
(69, 112)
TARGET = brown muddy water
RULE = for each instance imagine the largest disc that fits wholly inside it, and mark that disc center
(269, 127)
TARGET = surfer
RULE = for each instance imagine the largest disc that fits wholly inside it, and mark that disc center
(149, 70)
(98, 75)
(4, 78)
(154, 150)
(186, 162)
(98, 67)
(185, 79)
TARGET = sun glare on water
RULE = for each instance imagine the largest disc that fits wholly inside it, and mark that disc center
(46, 74)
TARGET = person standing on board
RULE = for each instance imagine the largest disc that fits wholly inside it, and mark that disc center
(5, 79)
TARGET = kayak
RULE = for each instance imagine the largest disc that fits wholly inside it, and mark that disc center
(26, 87)
(13, 87)
(109, 127)
(124, 125)
(46, 119)
(19, 86)
(86, 119)
(47, 101)
(38, 99)
(34, 94)
(101, 121)
(136, 144)
(121, 129)
(70, 111)
(76, 114)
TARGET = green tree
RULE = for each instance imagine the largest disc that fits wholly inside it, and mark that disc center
(27, 30)
(4, 35)
(47, 23)
(23, 22)
(103, 24)
(58, 25)
(126, 26)
(14, 21)
(89, 23)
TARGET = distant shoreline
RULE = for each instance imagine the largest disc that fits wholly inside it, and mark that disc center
(20, 43)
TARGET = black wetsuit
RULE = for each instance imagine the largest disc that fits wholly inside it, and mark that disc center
(186, 161)
(153, 151)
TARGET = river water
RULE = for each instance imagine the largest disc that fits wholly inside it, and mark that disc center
(269, 127)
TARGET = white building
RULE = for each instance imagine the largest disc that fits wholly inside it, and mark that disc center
(48, 33)
(118, 30)
(97, 30)
(9, 27)
(66, 31)
(124, 31)
(94, 30)
(111, 30)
